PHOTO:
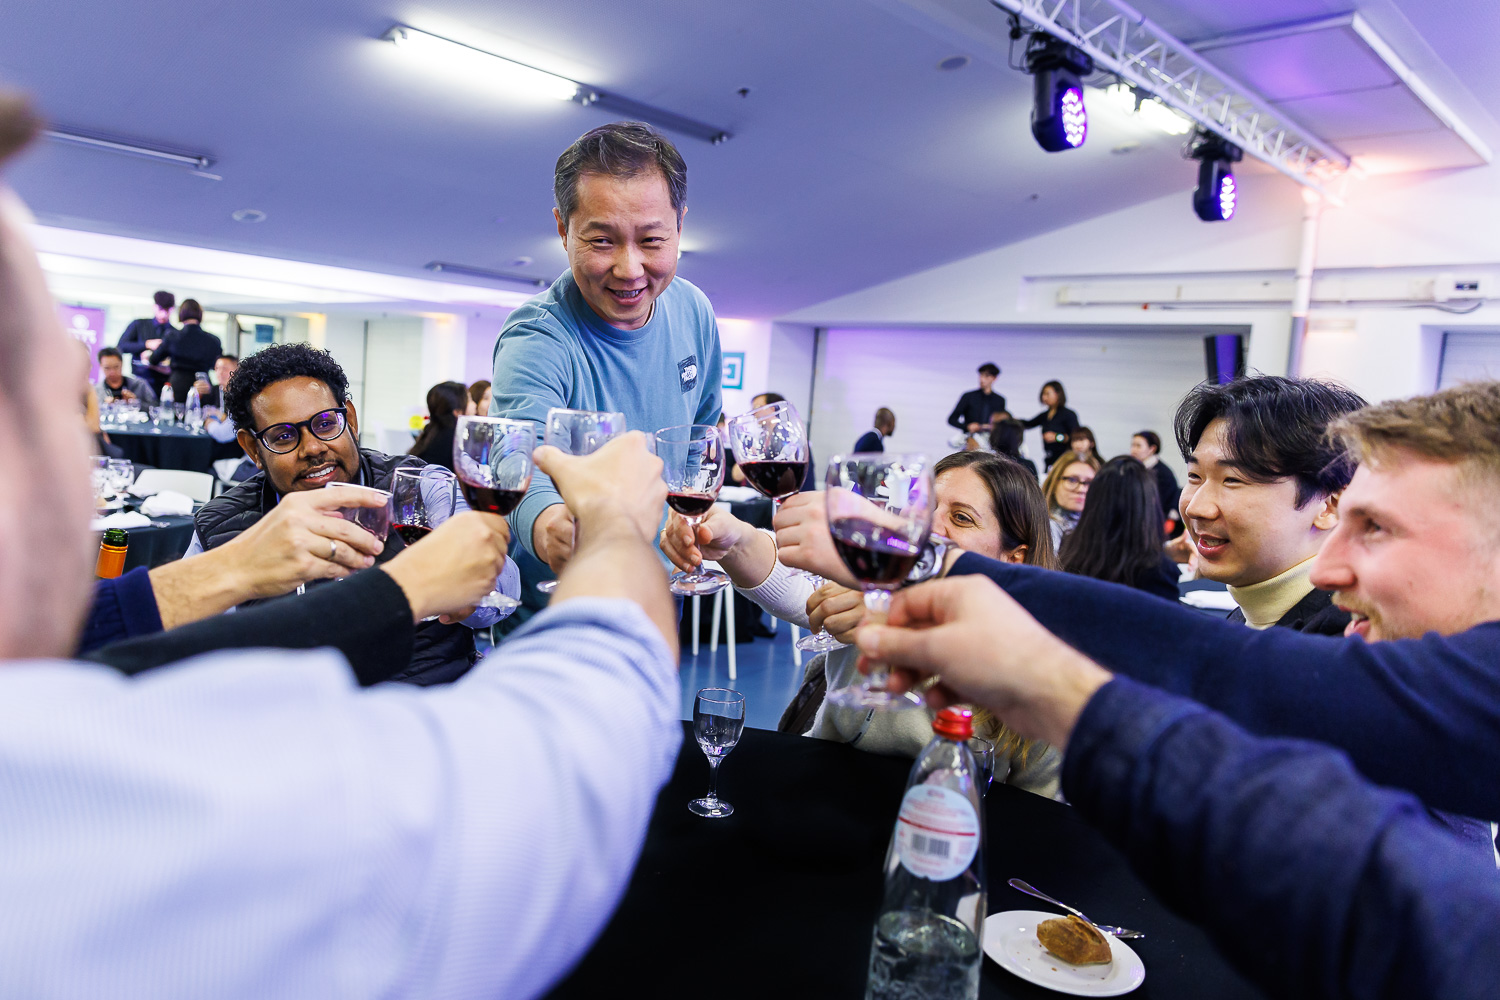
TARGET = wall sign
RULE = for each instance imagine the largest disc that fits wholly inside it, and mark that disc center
(88, 326)
(734, 370)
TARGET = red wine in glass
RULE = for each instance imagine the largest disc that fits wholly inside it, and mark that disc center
(875, 555)
(411, 534)
(690, 504)
(490, 500)
(775, 479)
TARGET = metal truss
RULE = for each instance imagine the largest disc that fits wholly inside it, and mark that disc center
(1127, 44)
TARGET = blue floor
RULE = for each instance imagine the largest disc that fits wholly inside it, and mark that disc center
(765, 673)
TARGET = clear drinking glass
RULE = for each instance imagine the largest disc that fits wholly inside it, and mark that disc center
(492, 457)
(692, 458)
(984, 756)
(375, 520)
(121, 474)
(879, 545)
(579, 432)
(820, 641)
(718, 720)
(770, 445)
(99, 478)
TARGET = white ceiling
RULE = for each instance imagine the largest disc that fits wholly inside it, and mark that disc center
(855, 160)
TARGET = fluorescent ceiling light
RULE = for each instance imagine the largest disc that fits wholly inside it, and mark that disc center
(91, 140)
(1148, 110)
(507, 75)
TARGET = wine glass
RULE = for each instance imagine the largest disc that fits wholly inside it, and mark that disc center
(984, 756)
(375, 520)
(579, 432)
(820, 641)
(718, 720)
(422, 497)
(692, 458)
(492, 458)
(121, 474)
(770, 445)
(879, 545)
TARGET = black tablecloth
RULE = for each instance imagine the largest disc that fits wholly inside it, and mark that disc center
(779, 900)
(151, 546)
(170, 447)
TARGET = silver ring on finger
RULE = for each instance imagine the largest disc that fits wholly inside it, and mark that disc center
(333, 549)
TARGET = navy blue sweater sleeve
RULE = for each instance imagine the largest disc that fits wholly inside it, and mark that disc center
(1311, 880)
(123, 608)
(1420, 714)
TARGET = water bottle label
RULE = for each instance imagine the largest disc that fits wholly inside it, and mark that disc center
(937, 833)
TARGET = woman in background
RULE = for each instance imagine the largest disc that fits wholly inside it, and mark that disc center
(1005, 439)
(1065, 490)
(446, 402)
(1057, 421)
(479, 399)
(1082, 442)
(1119, 534)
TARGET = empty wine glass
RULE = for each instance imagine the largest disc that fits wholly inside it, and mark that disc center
(375, 520)
(820, 641)
(121, 474)
(492, 458)
(879, 545)
(692, 458)
(718, 720)
(770, 445)
(984, 756)
(579, 432)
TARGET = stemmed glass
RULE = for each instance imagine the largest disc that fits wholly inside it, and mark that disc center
(121, 474)
(492, 458)
(820, 641)
(880, 545)
(422, 497)
(718, 720)
(375, 520)
(770, 445)
(692, 458)
(984, 756)
(579, 432)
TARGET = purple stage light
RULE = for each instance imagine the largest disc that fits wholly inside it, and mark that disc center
(1228, 194)
(1075, 117)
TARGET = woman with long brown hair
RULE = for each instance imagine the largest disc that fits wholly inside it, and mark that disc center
(446, 402)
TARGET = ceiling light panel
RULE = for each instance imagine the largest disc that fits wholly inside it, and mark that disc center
(478, 67)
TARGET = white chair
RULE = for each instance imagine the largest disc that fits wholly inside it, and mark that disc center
(223, 470)
(197, 485)
(713, 634)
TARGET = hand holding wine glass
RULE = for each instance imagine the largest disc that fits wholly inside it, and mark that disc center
(621, 483)
(879, 515)
(693, 468)
(492, 458)
(573, 432)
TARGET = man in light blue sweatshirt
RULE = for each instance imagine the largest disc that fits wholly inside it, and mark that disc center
(615, 332)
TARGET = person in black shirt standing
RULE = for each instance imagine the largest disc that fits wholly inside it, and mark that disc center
(189, 350)
(143, 336)
(874, 441)
(977, 408)
(1057, 421)
(1145, 447)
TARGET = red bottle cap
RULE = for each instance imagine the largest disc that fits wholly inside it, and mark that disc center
(954, 723)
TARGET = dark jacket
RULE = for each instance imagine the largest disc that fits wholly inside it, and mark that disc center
(133, 342)
(1315, 614)
(188, 351)
(870, 442)
(439, 451)
(975, 407)
(1057, 431)
(1166, 487)
(440, 653)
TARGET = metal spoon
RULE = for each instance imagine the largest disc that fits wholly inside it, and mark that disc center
(1119, 932)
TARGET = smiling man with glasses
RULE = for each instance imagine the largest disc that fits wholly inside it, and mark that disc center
(297, 424)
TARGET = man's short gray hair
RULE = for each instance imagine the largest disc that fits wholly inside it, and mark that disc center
(619, 149)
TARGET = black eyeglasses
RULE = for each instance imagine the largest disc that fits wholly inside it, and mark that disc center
(1077, 483)
(325, 426)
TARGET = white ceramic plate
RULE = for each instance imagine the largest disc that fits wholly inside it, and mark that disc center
(1010, 939)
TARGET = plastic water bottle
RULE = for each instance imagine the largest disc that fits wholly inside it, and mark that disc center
(927, 938)
(168, 412)
(194, 410)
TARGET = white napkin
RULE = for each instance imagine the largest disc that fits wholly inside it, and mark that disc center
(167, 502)
(124, 519)
(737, 494)
(136, 490)
(1214, 600)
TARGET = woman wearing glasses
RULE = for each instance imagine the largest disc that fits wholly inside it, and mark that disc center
(1065, 489)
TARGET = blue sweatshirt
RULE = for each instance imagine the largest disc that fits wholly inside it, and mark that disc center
(1313, 882)
(1419, 714)
(123, 608)
(554, 350)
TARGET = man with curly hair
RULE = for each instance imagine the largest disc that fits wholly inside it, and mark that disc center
(295, 420)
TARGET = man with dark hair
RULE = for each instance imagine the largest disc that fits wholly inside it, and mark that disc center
(1262, 493)
(212, 396)
(873, 441)
(977, 408)
(188, 351)
(144, 336)
(1145, 447)
(114, 384)
(618, 331)
(293, 417)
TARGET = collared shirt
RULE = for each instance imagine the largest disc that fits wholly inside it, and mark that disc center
(253, 825)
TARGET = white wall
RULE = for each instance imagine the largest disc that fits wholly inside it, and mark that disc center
(1439, 221)
(753, 339)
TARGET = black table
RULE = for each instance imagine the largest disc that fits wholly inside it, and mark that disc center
(779, 899)
(173, 447)
(151, 546)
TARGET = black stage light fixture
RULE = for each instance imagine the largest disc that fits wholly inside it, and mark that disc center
(1059, 120)
(1217, 194)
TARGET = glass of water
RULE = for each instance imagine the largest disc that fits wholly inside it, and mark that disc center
(718, 720)
(579, 432)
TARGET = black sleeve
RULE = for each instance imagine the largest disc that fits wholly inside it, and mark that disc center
(366, 617)
(163, 354)
(1035, 421)
(956, 418)
(1069, 419)
(132, 341)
